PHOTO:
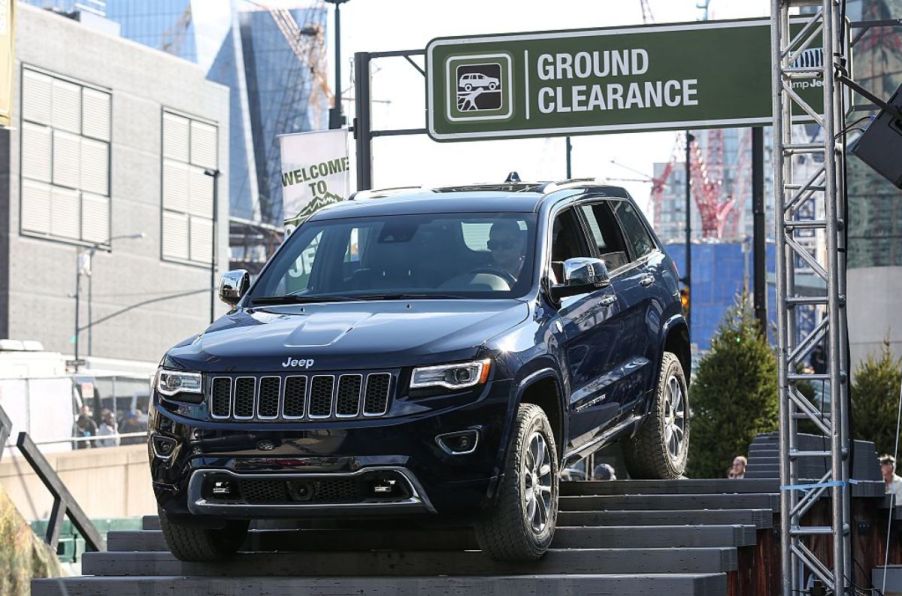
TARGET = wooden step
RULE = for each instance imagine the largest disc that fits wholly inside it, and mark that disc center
(384, 563)
(565, 537)
(760, 518)
(683, 584)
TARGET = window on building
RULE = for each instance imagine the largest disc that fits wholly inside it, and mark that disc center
(189, 147)
(65, 158)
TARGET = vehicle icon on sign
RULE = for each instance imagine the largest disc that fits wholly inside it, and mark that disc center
(479, 86)
(476, 80)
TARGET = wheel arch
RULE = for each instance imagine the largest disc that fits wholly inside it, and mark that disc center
(675, 339)
(544, 389)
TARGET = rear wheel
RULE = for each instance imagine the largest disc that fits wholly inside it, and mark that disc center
(194, 543)
(660, 448)
(520, 525)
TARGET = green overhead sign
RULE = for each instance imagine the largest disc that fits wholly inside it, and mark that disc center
(658, 77)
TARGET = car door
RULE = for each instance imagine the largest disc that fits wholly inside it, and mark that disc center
(637, 286)
(585, 328)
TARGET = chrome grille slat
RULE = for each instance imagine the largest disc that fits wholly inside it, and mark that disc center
(221, 397)
(294, 399)
(347, 398)
(322, 394)
(243, 398)
(268, 398)
(378, 390)
(275, 397)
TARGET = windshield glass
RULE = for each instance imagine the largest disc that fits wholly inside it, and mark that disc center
(403, 256)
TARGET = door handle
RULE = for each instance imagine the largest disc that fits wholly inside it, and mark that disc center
(608, 300)
(647, 280)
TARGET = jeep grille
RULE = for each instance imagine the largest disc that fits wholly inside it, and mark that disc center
(299, 397)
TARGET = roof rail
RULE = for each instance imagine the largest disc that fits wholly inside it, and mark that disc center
(571, 183)
(379, 193)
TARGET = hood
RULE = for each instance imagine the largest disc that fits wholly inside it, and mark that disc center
(348, 335)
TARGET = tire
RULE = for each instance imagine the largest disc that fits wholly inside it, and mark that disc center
(660, 448)
(492, 86)
(514, 529)
(194, 543)
(468, 87)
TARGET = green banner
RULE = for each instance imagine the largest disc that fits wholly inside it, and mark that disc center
(657, 77)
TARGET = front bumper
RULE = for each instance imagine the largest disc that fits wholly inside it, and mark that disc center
(348, 453)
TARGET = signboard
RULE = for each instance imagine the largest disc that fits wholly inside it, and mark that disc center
(7, 58)
(315, 172)
(656, 77)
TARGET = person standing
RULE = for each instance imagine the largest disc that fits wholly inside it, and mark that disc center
(892, 481)
(85, 427)
(737, 470)
(107, 428)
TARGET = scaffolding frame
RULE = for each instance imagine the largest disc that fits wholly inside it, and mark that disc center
(815, 201)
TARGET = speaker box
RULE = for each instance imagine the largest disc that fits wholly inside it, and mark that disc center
(880, 146)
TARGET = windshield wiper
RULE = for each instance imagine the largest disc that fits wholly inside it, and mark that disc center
(298, 299)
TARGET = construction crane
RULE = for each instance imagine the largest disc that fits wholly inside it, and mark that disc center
(647, 16)
(309, 46)
(707, 191)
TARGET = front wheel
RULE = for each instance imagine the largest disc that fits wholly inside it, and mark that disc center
(660, 448)
(520, 525)
(194, 543)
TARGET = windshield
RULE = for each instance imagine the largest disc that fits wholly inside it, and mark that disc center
(436, 255)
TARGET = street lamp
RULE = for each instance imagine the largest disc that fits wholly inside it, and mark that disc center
(214, 174)
(84, 263)
(336, 119)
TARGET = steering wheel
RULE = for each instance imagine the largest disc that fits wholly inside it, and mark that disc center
(510, 279)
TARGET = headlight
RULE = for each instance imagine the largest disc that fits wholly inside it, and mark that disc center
(452, 376)
(170, 382)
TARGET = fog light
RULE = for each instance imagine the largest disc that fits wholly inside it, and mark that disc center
(163, 446)
(221, 488)
(458, 443)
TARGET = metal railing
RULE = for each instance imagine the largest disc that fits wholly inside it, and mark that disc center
(63, 502)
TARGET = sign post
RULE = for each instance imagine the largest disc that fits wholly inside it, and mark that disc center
(315, 172)
(657, 77)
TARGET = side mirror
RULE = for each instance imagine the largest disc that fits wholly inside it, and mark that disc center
(233, 285)
(581, 275)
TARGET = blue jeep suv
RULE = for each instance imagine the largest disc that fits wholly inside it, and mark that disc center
(438, 354)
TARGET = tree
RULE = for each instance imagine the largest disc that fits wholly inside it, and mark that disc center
(875, 399)
(734, 394)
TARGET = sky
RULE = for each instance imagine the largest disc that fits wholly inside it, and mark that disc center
(398, 90)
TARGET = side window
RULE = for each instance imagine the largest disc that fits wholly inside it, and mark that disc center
(606, 234)
(567, 242)
(636, 233)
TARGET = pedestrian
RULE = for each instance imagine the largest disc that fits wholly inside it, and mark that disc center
(892, 481)
(85, 427)
(108, 427)
(737, 470)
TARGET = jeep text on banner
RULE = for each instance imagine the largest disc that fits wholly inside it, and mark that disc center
(315, 172)
(655, 77)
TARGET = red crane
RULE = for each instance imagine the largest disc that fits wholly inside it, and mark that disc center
(707, 190)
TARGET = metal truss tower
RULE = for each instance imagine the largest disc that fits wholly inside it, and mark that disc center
(808, 200)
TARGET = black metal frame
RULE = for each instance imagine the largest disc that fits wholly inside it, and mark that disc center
(363, 135)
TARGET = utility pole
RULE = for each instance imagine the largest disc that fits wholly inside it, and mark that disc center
(759, 245)
(336, 118)
(569, 147)
(214, 174)
(687, 276)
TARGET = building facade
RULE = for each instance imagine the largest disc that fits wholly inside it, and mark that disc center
(111, 140)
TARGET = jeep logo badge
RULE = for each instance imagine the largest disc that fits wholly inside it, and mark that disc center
(301, 362)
